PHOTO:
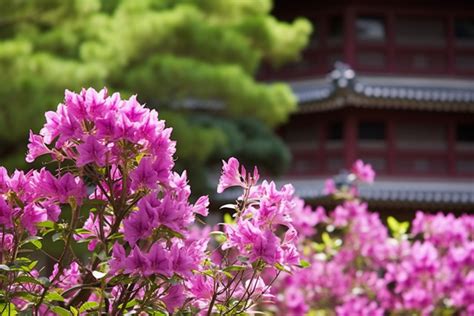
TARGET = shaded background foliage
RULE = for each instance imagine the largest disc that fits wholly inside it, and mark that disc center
(178, 56)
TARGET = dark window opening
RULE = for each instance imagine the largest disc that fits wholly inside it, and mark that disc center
(371, 131)
(465, 133)
(336, 30)
(335, 131)
(420, 32)
(464, 31)
(370, 29)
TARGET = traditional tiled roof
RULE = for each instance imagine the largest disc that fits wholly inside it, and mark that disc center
(343, 88)
(439, 193)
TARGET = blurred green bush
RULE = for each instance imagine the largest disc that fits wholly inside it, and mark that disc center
(177, 55)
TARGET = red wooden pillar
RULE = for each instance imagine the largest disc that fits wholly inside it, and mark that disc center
(451, 154)
(349, 36)
(391, 150)
(322, 152)
(350, 139)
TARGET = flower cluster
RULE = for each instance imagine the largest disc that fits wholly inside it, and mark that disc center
(114, 189)
(359, 267)
(256, 243)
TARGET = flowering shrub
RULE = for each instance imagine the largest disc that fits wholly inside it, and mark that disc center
(359, 267)
(114, 189)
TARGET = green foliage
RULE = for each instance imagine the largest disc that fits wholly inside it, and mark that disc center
(168, 52)
(398, 229)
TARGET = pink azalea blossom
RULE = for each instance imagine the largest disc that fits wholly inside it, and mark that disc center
(91, 151)
(159, 260)
(363, 172)
(33, 215)
(230, 175)
(136, 262)
(117, 263)
(137, 226)
(36, 147)
(144, 176)
(5, 214)
(174, 298)
(201, 206)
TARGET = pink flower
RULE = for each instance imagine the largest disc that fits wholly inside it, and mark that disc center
(68, 186)
(267, 247)
(117, 262)
(201, 206)
(137, 226)
(144, 176)
(201, 287)
(94, 101)
(6, 242)
(69, 277)
(363, 172)
(91, 151)
(60, 189)
(159, 260)
(4, 179)
(182, 263)
(329, 187)
(52, 210)
(5, 214)
(33, 215)
(230, 175)
(136, 262)
(174, 298)
(36, 147)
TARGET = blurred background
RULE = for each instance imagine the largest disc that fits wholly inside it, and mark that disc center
(301, 89)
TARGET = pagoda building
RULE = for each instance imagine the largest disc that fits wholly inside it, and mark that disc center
(391, 83)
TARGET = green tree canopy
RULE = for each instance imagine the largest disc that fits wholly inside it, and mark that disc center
(177, 55)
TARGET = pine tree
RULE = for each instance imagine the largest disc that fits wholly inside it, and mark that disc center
(179, 56)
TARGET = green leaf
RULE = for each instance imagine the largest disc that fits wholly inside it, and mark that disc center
(304, 264)
(397, 228)
(235, 268)
(326, 239)
(132, 303)
(281, 268)
(8, 309)
(227, 274)
(46, 224)
(35, 240)
(29, 296)
(74, 311)
(54, 296)
(219, 236)
(27, 279)
(61, 311)
(115, 236)
(88, 306)
(82, 231)
(228, 219)
(32, 265)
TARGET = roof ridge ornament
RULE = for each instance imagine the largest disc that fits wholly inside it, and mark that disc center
(343, 76)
